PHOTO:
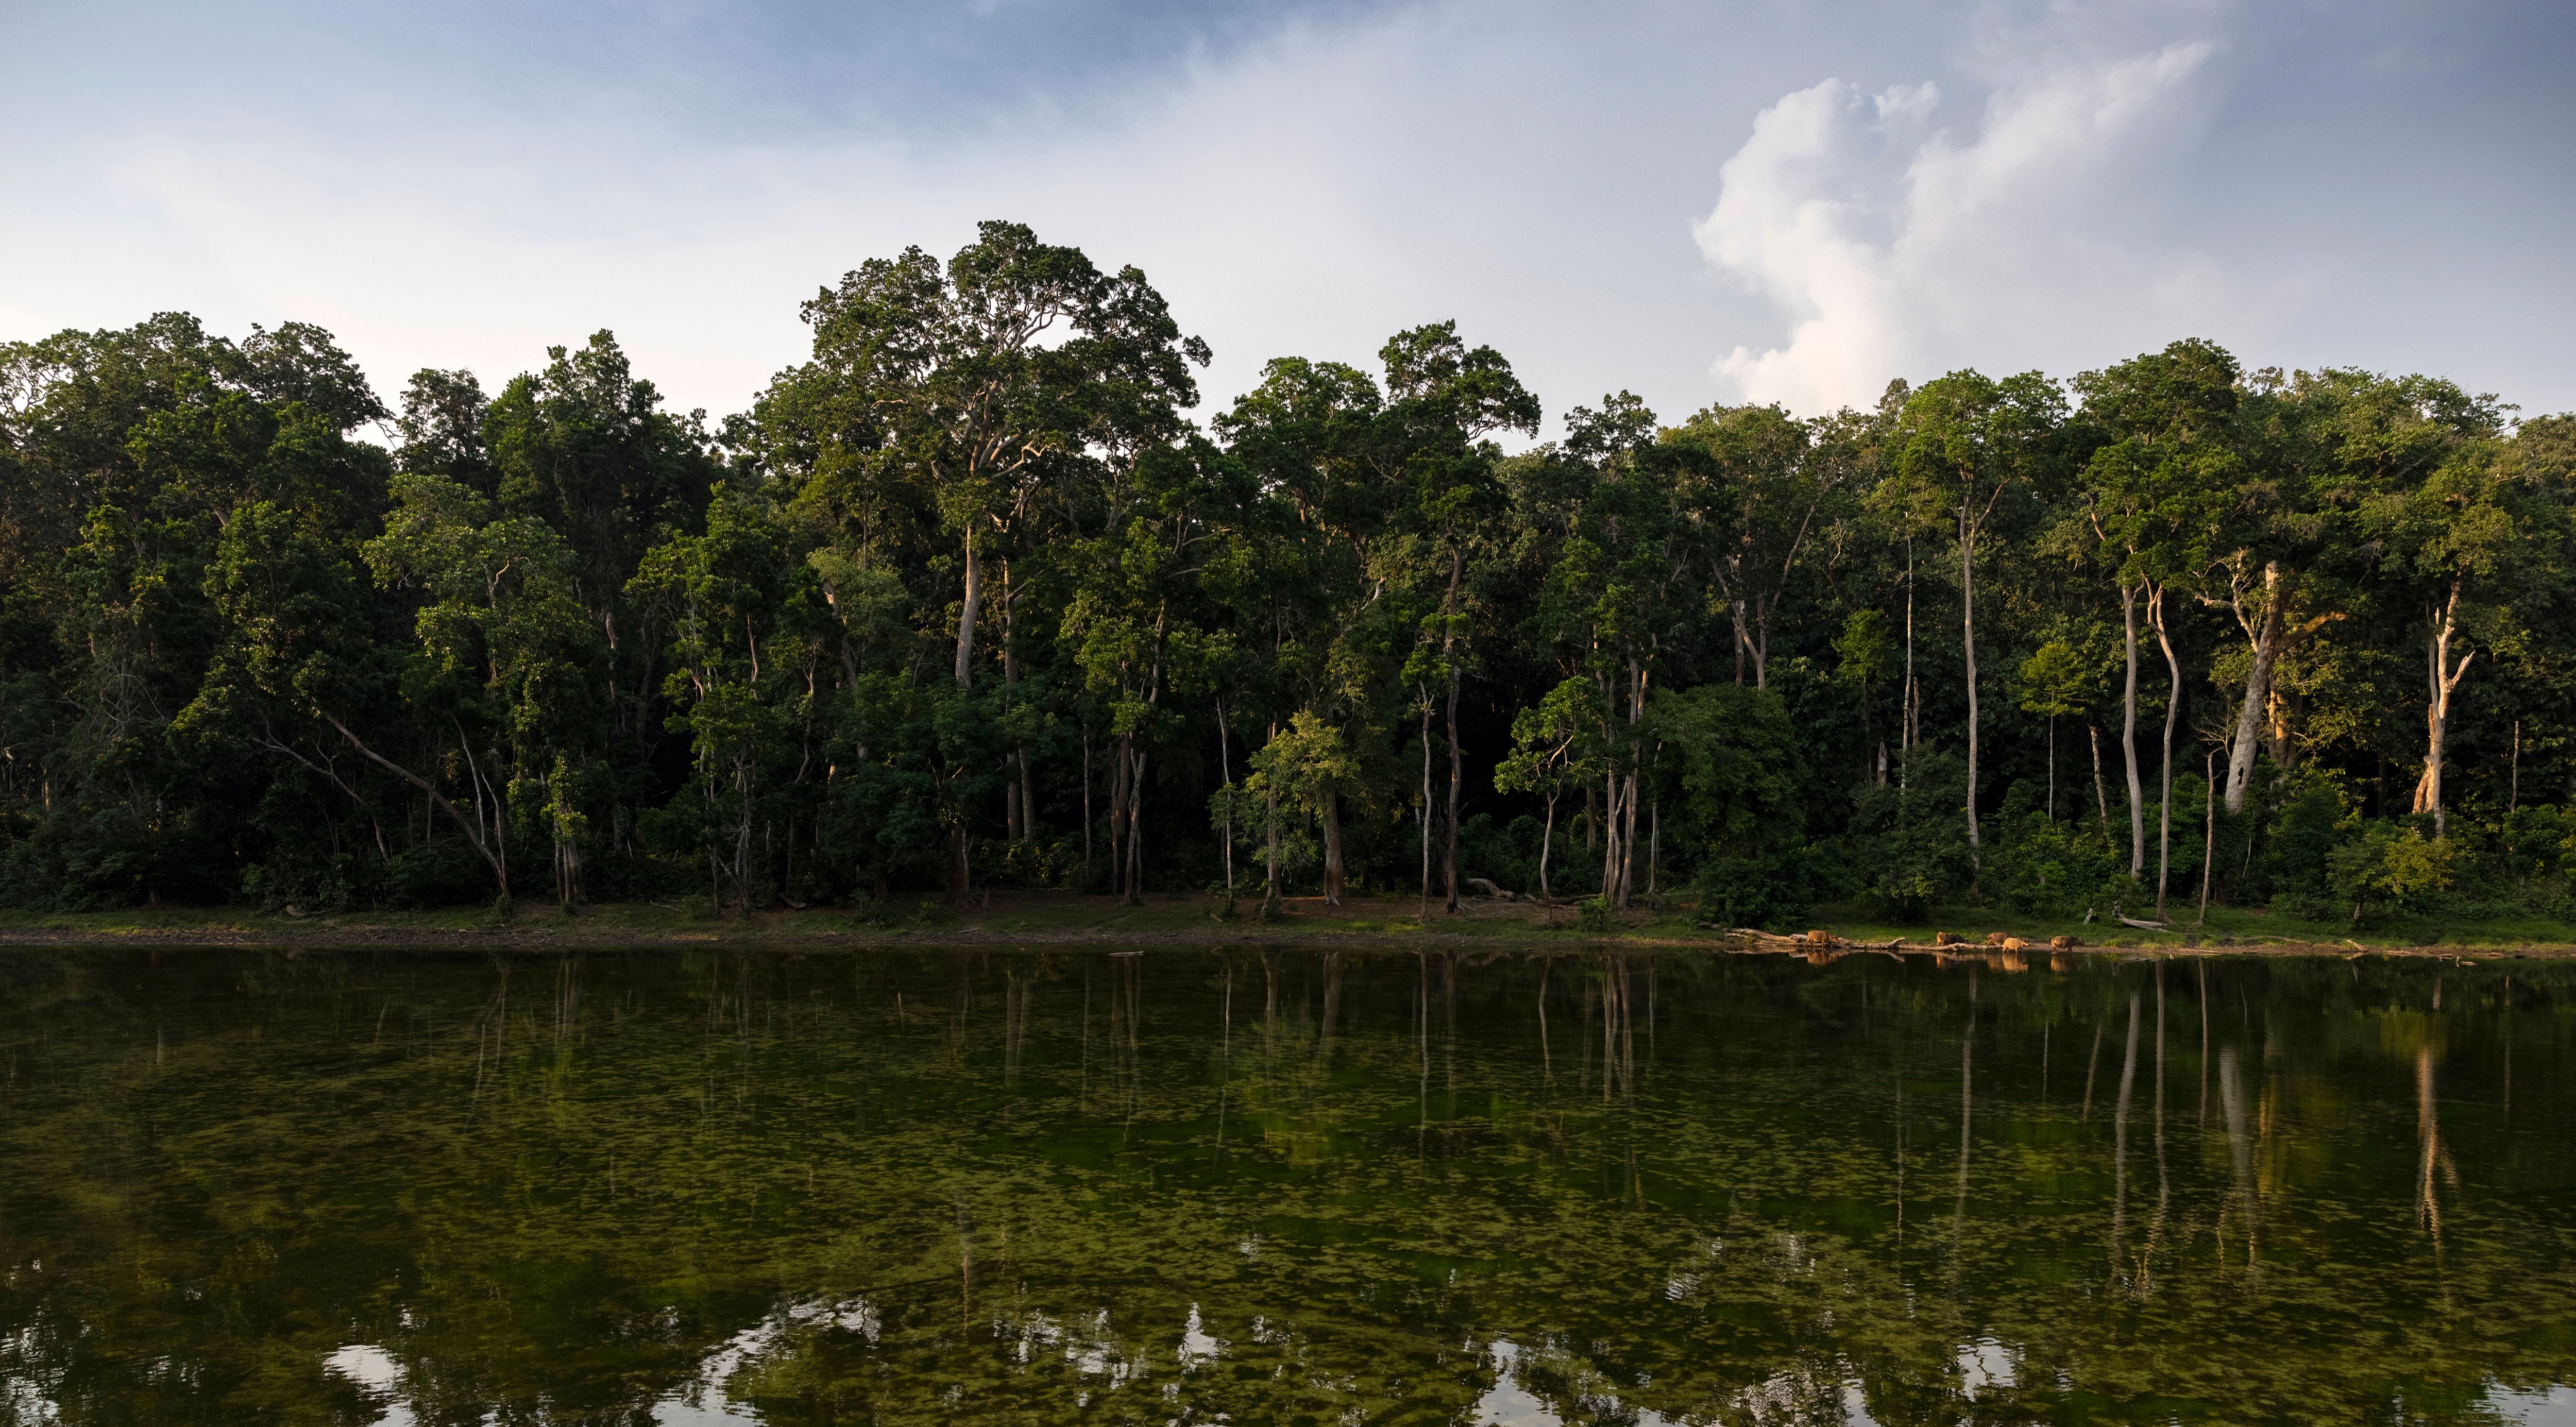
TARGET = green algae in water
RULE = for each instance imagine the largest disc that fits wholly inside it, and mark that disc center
(1326, 1187)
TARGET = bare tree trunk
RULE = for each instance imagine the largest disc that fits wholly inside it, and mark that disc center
(2209, 839)
(1448, 644)
(1225, 766)
(1968, 634)
(2267, 634)
(1905, 713)
(958, 881)
(1736, 607)
(2101, 795)
(1426, 803)
(1118, 784)
(967, 611)
(1270, 809)
(1546, 840)
(473, 832)
(2129, 732)
(2443, 677)
(1610, 837)
(1136, 832)
(1019, 798)
(2173, 711)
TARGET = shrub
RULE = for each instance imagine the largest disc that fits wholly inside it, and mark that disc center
(1911, 840)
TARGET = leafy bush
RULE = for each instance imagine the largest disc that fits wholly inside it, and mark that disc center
(1910, 841)
(1772, 892)
(2392, 866)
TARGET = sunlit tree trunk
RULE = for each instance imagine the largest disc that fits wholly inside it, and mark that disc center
(2443, 677)
(2268, 637)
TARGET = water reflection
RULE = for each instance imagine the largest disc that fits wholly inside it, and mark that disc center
(1048, 1186)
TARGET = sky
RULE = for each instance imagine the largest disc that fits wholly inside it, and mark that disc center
(1748, 200)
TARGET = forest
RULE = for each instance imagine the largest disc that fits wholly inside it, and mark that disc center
(975, 598)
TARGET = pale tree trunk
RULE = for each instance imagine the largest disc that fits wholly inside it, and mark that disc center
(1742, 641)
(1905, 710)
(1968, 636)
(1546, 840)
(1225, 766)
(967, 611)
(1136, 835)
(1610, 837)
(2101, 794)
(2173, 711)
(2442, 678)
(2266, 633)
(1270, 825)
(1448, 643)
(473, 831)
(1426, 802)
(959, 888)
(1118, 817)
(1618, 864)
(1019, 798)
(2209, 833)
(2129, 734)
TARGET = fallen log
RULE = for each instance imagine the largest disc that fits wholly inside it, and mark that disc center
(1490, 889)
(2142, 926)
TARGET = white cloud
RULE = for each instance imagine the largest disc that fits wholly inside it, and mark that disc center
(1892, 249)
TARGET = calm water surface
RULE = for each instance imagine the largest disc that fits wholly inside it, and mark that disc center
(1189, 1187)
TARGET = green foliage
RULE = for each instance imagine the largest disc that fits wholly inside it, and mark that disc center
(2389, 867)
(1910, 850)
(964, 598)
(1773, 892)
(1735, 765)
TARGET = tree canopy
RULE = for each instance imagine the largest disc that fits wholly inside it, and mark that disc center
(977, 596)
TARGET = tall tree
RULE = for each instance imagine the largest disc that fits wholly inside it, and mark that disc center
(1967, 440)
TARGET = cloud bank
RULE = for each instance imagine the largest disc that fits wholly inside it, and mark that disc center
(1894, 247)
(1647, 195)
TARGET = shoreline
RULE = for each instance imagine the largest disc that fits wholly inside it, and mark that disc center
(1075, 920)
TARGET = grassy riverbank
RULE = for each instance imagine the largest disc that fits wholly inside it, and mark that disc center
(1067, 918)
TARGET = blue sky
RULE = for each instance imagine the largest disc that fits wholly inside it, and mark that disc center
(1703, 203)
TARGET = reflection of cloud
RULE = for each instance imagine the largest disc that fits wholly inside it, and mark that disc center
(1890, 245)
(375, 1370)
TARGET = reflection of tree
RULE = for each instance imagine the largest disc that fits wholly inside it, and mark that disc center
(884, 1196)
(2240, 1150)
(2432, 1153)
(2120, 1133)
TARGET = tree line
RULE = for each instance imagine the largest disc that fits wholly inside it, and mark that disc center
(968, 599)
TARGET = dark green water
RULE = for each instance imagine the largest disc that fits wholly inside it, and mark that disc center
(1186, 1186)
